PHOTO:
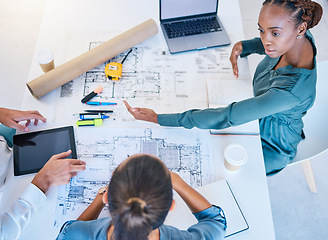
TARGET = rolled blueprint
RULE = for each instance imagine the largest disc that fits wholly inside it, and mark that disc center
(89, 60)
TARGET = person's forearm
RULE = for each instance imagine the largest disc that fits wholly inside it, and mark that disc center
(92, 212)
(41, 182)
(211, 118)
(2, 114)
(194, 200)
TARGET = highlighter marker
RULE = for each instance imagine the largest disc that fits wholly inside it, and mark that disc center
(94, 122)
(92, 94)
(93, 116)
(90, 115)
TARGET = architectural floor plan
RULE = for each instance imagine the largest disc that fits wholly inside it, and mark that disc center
(151, 77)
(183, 151)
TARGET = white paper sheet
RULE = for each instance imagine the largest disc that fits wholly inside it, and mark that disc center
(186, 152)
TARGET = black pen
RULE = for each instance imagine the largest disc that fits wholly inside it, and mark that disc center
(99, 111)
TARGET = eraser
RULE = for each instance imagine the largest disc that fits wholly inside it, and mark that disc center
(98, 90)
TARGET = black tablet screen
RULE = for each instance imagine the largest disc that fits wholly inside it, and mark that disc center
(33, 150)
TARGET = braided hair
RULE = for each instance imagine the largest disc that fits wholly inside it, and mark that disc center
(139, 197)
(300, 10)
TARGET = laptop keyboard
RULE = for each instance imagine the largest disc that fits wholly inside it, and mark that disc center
(192, 27)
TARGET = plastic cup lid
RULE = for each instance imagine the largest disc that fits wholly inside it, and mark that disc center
(235, 154)
(44, 56)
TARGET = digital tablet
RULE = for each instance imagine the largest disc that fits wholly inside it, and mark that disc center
(32, 150)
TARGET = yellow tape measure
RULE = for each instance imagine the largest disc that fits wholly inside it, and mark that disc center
(113, 70)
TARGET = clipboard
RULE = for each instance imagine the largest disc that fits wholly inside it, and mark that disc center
(218, 193)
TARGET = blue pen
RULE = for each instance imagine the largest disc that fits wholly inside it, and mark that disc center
(93, 116)
(87, 116)
(101, 103)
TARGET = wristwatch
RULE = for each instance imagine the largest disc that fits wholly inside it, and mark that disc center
(102, 190)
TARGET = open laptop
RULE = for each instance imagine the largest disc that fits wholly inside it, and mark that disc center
(191, 24)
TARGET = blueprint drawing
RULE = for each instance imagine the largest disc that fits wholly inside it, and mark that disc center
(144, 69)
(185, 152)
(151, 77)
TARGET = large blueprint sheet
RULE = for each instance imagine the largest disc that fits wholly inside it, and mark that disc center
(151, 77)
(186, 152)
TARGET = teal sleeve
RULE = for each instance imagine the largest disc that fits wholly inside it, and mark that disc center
(212, 118)
(252, 46)
(214, 213)
(8, 134)
(211, 224)
(273, 101)
(63, 231)
(84, 230)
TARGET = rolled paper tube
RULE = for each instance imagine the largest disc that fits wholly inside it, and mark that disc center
(89, 60)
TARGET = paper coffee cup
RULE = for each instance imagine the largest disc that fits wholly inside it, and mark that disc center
(45, 58)
(234, 157)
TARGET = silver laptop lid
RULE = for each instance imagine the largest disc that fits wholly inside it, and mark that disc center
(184, 8)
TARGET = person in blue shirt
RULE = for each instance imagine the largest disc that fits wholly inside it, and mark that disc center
(139, 197)
(284, 83)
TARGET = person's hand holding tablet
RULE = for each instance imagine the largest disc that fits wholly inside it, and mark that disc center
(58, 171)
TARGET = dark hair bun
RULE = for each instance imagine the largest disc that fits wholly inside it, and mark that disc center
(316, 14)
(312, 11)
(301, 10)
(137, 205)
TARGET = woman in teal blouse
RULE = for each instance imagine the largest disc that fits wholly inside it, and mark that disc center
(284, 83)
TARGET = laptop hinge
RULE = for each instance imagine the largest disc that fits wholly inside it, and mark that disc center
(188, 17)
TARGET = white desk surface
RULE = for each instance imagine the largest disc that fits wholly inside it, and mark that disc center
(63, 18)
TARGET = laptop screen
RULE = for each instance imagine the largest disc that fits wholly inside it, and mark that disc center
(184, 8)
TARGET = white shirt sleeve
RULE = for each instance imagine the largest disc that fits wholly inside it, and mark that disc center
(14, 220)
(5, 155)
